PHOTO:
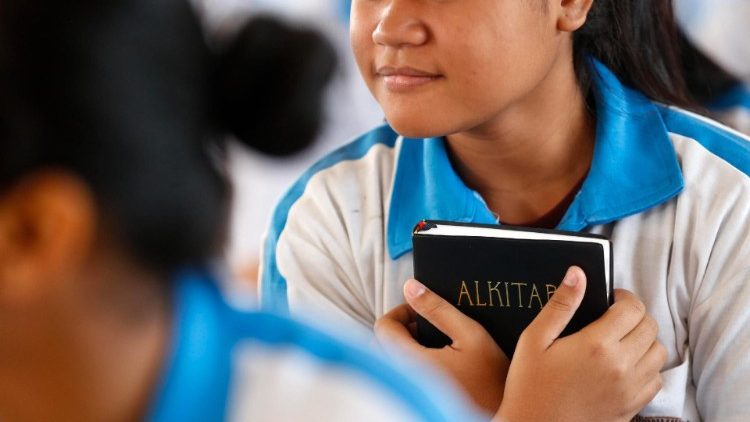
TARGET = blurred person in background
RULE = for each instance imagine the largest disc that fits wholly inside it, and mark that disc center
(716, 55)
(720, 29)
(260, 180)
(113, 204)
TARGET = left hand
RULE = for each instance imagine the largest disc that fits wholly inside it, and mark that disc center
(474, 360)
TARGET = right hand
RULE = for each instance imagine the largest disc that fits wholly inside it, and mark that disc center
(608, 371)
(473, 358)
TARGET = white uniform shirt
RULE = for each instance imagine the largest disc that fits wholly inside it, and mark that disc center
(670, 188)
(226, 364)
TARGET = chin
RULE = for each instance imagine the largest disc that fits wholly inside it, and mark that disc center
(417, 128)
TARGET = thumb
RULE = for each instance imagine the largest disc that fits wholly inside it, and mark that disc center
(557, 313)
(444, 316)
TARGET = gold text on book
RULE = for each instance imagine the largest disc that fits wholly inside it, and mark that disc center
(504, 294)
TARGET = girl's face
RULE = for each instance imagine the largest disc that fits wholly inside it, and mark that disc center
(439, 67)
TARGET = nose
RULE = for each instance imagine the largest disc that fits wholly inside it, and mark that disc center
(400, 26)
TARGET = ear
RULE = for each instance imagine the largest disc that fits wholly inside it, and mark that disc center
(573, 14)
(47, 226)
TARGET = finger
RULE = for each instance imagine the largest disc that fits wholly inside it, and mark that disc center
(638, 341)
(404, 314)
(620, 319)
(393, 328)
(556, 314)
(444, 316)
(652, 362)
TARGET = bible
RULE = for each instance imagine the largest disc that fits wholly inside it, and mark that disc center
(502, 276)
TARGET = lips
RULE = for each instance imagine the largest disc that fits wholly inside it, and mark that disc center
(401, 79)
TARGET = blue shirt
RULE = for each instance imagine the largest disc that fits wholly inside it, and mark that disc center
(226, 364)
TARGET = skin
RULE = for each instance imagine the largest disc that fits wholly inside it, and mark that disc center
(496, 79)
(488, 72)
(84, 328)
(615, 360)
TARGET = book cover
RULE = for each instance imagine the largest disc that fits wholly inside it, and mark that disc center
(502, 276)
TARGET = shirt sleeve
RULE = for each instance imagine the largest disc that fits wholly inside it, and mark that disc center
(719, 321)
(309, 266)
(290, 371)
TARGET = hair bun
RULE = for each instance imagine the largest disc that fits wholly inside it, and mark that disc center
(270, 84)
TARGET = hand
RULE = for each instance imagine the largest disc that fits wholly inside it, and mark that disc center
(474, 360)
(608, 371)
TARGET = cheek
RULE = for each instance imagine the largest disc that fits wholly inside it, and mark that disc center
(477, 68)
(363, 50)
(499, 63)
(363, 53)
(361, 27)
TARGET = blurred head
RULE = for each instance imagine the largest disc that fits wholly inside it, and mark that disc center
(718, 29)
(112, 117)
(441, 67)
(706, 80)
(111, 127)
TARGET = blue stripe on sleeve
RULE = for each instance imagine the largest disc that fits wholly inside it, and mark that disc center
(730, 145)
(273, 284)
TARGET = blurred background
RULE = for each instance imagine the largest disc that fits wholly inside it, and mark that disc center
(260, 180)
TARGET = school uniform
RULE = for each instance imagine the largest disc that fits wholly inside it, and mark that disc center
(227, 364)
(733, 108)
(670, 188)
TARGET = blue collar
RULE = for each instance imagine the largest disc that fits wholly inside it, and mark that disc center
(634, 168)
(196, 376)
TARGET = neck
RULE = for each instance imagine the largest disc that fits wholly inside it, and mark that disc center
(526, 161)
(96, 358)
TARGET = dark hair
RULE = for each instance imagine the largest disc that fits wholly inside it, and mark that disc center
(705, 79)
(638, 41)
(127, 95)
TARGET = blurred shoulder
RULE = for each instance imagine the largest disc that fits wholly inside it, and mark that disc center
(286, 370)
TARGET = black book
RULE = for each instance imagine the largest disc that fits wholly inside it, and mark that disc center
(502, 276)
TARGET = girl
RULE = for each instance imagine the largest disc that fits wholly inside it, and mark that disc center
(548, 113)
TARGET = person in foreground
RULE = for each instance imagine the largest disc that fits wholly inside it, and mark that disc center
(112, 207)
(569, 114)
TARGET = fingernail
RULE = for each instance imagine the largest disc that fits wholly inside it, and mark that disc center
(571, 277)
(414, 289)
